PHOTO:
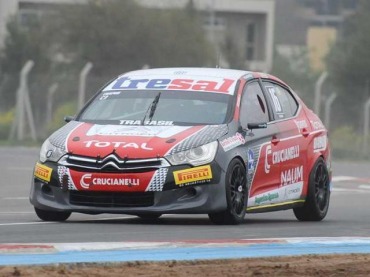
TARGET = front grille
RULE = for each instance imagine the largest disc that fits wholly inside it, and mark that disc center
(111, 199)
(112, 163)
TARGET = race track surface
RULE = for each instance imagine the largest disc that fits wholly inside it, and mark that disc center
(348, 214)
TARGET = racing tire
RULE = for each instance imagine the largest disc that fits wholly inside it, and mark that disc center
(317, 202)
(236, 196)
(148, 216)
(52, 215)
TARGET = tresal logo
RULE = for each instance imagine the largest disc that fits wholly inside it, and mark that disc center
(116, 144)
(88, 180)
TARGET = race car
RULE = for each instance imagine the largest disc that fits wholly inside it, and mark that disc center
(210, 141)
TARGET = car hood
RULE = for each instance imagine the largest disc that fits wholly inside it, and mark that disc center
(93, 140)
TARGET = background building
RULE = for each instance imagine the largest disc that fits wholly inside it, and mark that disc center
(247, 26)
(312, 24)
(26, 10)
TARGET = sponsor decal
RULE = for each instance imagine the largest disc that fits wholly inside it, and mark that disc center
(292, 176)
(293, 190)
(43, 172)
(192, 176)
(163, 131)
(250, 160)
(285, 154)
(153, 122)
(319, 143)
(279, 195)
(317, 125)
(301, 124)
(107, 94)
(267, 165)
(280, 155)
(266, 197)
(116, 144)
(248, 76)
(88, 180)
(232, 142)
(125, 82)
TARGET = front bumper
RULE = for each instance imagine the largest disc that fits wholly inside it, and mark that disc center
(58, 194)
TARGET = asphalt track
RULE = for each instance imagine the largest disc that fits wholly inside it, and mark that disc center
(346, 229)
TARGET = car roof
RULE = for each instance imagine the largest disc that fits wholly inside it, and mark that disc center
(216, 80)
(190, 71)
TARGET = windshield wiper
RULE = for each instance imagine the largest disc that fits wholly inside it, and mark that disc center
(151, 109)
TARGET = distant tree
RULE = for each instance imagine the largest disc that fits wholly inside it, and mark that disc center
(349, 65)
(116, 36)
(295, 70)
(22, 43)
(121, 35)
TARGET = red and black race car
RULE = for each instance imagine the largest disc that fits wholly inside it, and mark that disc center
(187, 141)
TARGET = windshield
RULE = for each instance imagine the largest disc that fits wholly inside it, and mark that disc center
(174, 108)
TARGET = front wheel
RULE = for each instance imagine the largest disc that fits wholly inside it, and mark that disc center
(317, 202)
(52, 215)
(236, 195)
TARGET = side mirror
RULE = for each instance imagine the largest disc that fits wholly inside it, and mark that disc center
(252, 126)
(68, 118)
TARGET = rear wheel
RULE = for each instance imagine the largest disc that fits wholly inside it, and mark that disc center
(52, 215)
(236, 195)
(317, 202)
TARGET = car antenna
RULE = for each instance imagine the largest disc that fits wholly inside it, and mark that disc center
(218, 60)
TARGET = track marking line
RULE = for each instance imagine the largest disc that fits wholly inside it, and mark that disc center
(70, 221)
(343, 178)
(19, 168)
(14, 198)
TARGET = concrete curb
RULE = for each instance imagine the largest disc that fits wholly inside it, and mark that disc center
(50, 253)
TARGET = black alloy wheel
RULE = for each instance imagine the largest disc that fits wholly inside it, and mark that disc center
(236, 195)
(318, 198)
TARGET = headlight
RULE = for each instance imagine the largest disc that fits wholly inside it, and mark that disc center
(197, 156)
(50, 152)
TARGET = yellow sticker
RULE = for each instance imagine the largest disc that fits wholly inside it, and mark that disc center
(193, 175)
(43, 172)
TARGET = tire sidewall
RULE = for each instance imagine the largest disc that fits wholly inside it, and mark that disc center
(312, 197)
(233, 164)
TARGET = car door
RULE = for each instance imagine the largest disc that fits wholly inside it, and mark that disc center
(291, 140)
(255, 116)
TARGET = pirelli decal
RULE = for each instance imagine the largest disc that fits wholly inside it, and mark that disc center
(43, 172)
(192, 176)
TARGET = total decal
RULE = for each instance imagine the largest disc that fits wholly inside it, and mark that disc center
(280, 156)
(194, 84)
(116, 144)
(88, 180)
(320, 143)
(193, 176)
(232, 142)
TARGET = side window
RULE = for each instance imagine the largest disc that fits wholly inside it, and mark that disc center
(253, 105)
(283, 103)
